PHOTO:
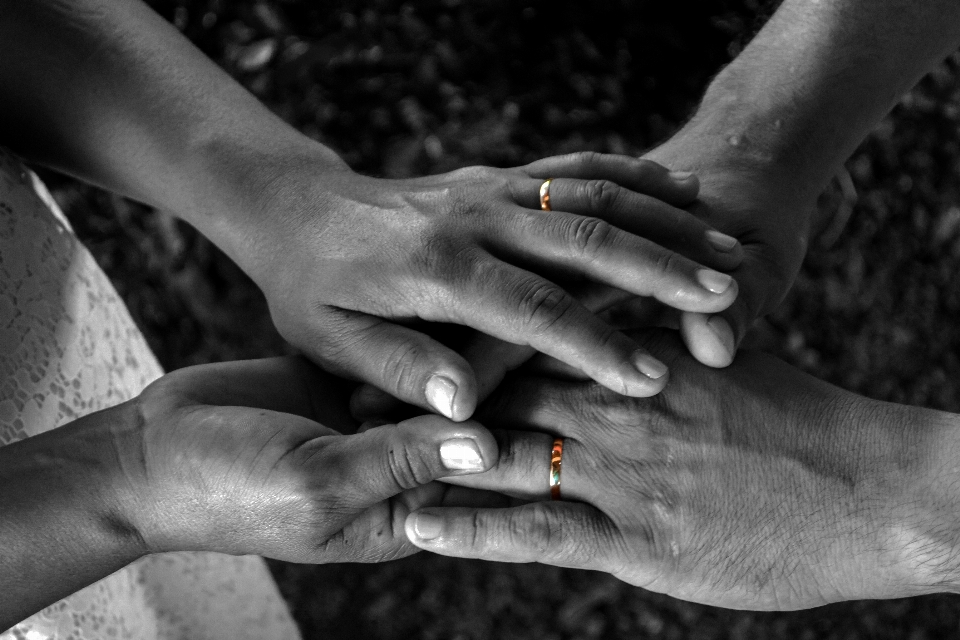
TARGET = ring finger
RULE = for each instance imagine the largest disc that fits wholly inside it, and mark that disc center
(523, 469)
(635, 213)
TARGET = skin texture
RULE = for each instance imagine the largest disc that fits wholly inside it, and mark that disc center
(776, 125)
(754, 487)
(234, 458)
(351, 266)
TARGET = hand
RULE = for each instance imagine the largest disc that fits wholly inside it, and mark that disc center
(767, 207)
(347, 261)
(237, 458)
(746, 195)
(755, 487)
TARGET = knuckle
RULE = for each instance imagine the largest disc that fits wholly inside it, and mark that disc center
(588, 158)
(437, 254)
(407, 467)
(667, 262)
(536, 525)
(602, 195)
(401, 368)
(589, 236)
(542, 305)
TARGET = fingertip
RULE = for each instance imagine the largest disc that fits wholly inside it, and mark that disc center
(721, 242)
(686, 186)
(452, 396)
(709, 339)
(464, 447)
(422, 527)
(653, 376)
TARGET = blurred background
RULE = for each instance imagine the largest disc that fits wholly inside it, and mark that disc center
(403, 89)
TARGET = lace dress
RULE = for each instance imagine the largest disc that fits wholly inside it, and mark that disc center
(68, 347)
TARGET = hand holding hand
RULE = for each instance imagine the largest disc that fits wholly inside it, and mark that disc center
(755, 487)
(237, 458)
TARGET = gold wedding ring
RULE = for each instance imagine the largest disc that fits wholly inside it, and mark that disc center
(556, 459)
(545, 195)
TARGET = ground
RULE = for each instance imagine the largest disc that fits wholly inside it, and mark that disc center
(404, 89)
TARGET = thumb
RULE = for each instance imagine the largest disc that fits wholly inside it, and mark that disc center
(384, 461)
(402, 362)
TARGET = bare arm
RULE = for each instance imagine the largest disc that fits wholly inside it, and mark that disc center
(108, 91)
(778, 122)
(229, 458)
(61, 527)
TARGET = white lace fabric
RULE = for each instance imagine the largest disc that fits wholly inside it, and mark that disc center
(69, 347)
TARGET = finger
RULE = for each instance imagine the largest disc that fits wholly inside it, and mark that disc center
(492, 358)
(713, 338)
(639, 175)
(360, 470)
(522, 308)
(404, 363)
(635, 313)
(600, 251)
(641, 215)
(565, 534)
(555, 407)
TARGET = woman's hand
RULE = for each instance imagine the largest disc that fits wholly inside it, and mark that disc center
(754, 487)
(238, 458)
(347, 262)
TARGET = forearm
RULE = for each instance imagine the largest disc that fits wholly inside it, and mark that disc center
(63, 524)
(818, 77)
(108, 91)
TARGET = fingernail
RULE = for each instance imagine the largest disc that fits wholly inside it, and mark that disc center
(650, 366)
(461, 454)
(426, 526)
(440, 392)
(681, 176)
(714, 281)
(721, 241)
(721, 328)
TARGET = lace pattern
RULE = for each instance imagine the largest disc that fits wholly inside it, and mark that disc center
(68, 347)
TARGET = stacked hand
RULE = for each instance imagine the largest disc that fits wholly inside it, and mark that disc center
(754, 487)
(350, 265)
(768, 210)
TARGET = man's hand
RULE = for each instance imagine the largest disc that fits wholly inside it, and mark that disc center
(755, 487)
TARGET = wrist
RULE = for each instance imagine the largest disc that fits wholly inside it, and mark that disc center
(66, 507)
(917, 482)
(760, 137)
(234, 182)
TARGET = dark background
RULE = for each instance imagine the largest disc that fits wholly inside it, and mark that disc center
(402, 89)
